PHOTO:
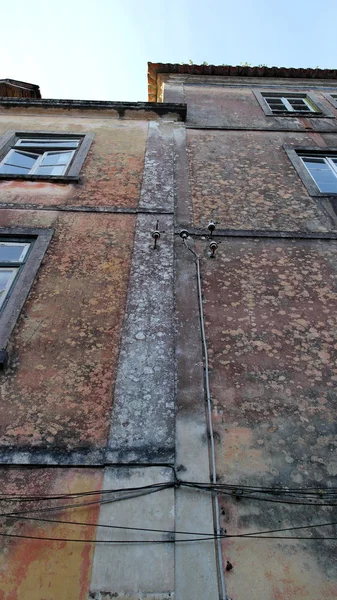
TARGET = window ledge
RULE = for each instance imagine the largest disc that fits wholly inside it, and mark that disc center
(306, 115)
(49, 178)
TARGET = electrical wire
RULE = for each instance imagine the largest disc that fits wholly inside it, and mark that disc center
(239, 493)
(93, 503)
(168, 531)
(236, 490)
(169, 541)
(223, 594)
(26, 498)
(239, 496)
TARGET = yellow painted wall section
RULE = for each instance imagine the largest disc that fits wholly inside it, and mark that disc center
(45, 570)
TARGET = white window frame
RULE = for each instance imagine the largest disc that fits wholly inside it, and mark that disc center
(40, 156)
(34, 242)
(332, 98)
(12, 265)
(42, 144)
(315, 107)
(48, 142)
(287, 106)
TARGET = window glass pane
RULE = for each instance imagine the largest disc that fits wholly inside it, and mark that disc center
(48, 143)
(56, 158)
(274, 101)
(13, 252)
(323, 176)
(315, 163)
(18, 162)
(10, 170)
(7, 277)
(328, 188)
(296, 100)
(51, 170)
(21, 159)
(301, 108)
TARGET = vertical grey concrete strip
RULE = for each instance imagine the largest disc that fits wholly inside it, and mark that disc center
(183, 205)
(174, 92)
(196, 565)
(157, 186)
(142, 420)
(130, 569)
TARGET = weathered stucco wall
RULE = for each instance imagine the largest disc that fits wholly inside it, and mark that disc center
(270, 309)
(237, 107)
(56, 393)
(111, 174)
(245, 180)
(33, 568)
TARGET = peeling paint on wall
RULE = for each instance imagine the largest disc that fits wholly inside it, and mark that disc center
(270, 309)
(244, 180)
(36, 569)
(57, 391)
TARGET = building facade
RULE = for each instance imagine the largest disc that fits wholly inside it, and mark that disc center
(168, 390)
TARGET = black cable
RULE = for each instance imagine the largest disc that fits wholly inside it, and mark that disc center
(16, 497)
(221, 489)
(212, 538)
(122, 527)
(93, 503)
(222, 492)
(202, 485)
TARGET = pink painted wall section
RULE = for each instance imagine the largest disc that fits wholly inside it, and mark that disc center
(245, 180)
(222, 106)
(46, 570)
(270, 309)
(58, 387)
(110, 176)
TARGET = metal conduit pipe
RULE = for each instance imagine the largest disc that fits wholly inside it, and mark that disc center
(223, 593)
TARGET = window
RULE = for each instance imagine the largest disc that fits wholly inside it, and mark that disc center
(323, 170)
(332, 97)
(289, 103)
(316, 168)
(21, 253)
(12, 258)
(43, 155)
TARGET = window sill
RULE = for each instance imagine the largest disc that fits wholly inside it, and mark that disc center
(324, 195)
(300, 114)
(49, 178)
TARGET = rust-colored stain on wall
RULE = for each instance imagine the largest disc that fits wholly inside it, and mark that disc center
(270, 308)
(111, 174)
(57, 390)
(33, 569)
(244, 180)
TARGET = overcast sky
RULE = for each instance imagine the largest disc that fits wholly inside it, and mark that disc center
(98, 50)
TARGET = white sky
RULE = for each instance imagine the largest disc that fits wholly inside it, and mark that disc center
(83, 50)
